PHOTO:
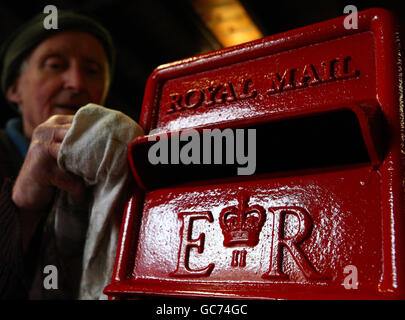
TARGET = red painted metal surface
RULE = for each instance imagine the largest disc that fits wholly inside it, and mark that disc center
(286, 232)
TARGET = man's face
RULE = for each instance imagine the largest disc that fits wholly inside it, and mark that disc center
(62, 74)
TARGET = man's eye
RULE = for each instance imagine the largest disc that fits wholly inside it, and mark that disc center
(92, 69)
(53, 64)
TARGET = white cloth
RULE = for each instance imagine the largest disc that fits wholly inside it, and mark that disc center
(95, 148)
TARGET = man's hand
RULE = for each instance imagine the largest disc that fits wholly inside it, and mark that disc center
(35, 185)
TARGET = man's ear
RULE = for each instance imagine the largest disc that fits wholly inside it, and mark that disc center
(13, 94)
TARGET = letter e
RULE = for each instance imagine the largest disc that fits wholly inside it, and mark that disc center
(186, 244)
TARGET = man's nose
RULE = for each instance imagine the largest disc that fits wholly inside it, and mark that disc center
(74, 78)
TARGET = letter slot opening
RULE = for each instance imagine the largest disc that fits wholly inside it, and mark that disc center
(325, 140)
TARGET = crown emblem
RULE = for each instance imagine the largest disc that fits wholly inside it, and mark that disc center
(241, 225)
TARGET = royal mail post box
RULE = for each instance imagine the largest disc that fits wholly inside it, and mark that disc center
(316, 213)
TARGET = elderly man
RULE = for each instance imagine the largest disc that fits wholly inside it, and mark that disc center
(47, 75)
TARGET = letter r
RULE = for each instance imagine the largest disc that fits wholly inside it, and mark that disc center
(291, 243)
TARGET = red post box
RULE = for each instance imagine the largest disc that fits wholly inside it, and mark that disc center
(321, 216)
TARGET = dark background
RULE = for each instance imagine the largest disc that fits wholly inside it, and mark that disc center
(148, 33)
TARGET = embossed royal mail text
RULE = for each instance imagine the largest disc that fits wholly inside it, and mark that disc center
(277, 81)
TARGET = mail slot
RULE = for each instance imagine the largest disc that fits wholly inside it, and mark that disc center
(321, 216)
